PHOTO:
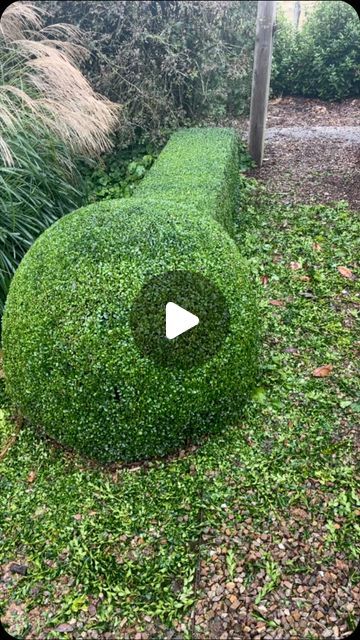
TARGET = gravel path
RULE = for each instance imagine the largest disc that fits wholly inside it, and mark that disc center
(345, 134)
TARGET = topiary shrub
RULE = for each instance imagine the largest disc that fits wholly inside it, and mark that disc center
(71, 363)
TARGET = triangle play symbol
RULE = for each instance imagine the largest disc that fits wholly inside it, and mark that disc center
(178, 320)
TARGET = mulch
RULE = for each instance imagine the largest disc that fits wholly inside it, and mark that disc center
(312, 596)
(315, 170)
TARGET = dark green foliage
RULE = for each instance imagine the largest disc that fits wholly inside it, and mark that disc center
(115, 175)
(323, 59)
(71, 363)
(285, 55)
(167, 63)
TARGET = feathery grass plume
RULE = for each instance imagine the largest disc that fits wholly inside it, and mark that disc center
(18, 19)
(48, 114)
(45, 68)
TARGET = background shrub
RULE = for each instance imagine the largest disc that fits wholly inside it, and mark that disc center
(323, 59)
(75, 370)
(285, 55)
(167, 63)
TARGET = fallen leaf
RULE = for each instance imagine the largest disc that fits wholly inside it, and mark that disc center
(305, 278)
(323, 371)
(20, 569)
(277, 303)
(78, 516)
(347, 273)
(64, 628)
(316, 246)
(264, 280)
(299, 513)
(31, 476)
(295, 266)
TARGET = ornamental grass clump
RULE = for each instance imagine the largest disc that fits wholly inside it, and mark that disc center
(48, 115)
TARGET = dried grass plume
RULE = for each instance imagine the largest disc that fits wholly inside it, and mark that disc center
(41, 75)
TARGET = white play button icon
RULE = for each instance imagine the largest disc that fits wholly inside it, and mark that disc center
(178, 320)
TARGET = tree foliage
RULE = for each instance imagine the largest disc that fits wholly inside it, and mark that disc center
(323, 59)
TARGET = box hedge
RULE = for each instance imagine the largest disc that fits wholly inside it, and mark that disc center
(71, 363)
(198, 166)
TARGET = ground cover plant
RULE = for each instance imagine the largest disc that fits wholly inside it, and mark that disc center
(75, 370)
(115, 174)
(263, 514)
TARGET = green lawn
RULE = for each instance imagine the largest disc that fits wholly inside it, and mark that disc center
(133, 549)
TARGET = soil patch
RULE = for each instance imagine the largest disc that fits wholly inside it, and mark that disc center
(312, 151)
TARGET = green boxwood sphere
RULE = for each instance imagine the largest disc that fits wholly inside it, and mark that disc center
(71, 363)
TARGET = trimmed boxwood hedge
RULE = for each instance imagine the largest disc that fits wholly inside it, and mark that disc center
(71, 363)
(198, 166)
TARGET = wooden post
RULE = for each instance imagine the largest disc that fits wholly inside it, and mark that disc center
(296, 14)
(261, 78)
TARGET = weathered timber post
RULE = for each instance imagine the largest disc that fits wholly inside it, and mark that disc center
(296, 14)
(261, 78)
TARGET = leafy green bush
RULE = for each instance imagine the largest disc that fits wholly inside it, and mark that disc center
(323, 59)
(285, 51)
(114, 175)
(167, 63)
(330, 53)
(70, 359)
(197, 166)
